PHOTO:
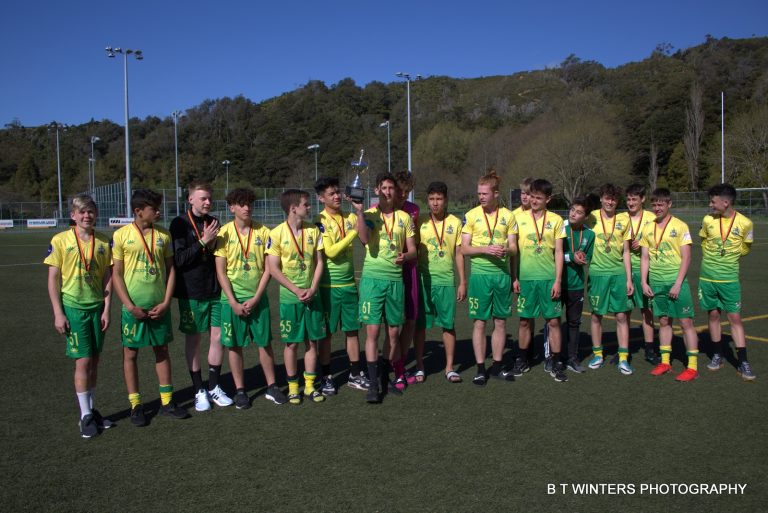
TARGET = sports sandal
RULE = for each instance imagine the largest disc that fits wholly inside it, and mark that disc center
(415, 377)
(453, 377)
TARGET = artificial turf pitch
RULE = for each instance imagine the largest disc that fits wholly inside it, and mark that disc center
(440, 447)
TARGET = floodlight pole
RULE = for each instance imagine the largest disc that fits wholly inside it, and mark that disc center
(92, 161)
(175, 114)
(56, 126)
(407, 77)
(226, 166)
(722, 137)
(389, 151)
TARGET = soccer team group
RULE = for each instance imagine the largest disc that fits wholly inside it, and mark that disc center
(412, 278)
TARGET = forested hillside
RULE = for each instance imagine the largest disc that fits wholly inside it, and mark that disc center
(657, 120)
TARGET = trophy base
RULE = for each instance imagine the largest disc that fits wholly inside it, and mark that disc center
(356, 194)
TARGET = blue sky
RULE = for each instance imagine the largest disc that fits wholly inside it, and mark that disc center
(54, 66)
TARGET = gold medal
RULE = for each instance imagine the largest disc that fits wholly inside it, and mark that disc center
(246, 267)
(152, 271)
(392, 247)
(86, 263)
(303, 266)
(299, 250)
(539, 249)
(607, 249)
(539, 235)
(724, 238)
(722, 252)
(441, 254)
(247, 248)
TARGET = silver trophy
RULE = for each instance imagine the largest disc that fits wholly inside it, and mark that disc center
(354, 191)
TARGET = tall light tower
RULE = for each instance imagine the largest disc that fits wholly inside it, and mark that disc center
(408, 78)
(226, 166)
(389, 152)
(139, 56)
(92, 162)
(176, 114)
(56, 126)
(314, 148)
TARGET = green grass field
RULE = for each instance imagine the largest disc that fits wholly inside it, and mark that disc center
(440, 447)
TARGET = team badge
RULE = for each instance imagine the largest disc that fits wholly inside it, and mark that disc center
(310, 240)
(449, 230)
(160, 243)
(736, 231)
(503, 222)
(258, 241)
(548, 225)
(673, 233)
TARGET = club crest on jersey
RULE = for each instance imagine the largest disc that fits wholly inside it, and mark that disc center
(400, 223)
(503, 221)
(673, 233)
(258, 241)
(449, 230)
(348, 225)
(736, 231)
(160, 243)
(548, 225)
(310, 240)
(619, 226)
(101, 250)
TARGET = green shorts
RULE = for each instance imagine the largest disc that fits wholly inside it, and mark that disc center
(300, 322)
(239, 331)
(340, 305)
(85, 338)
(536, 300)
(608, 294)
(199, 315)
(639, 300)
(438, 305)
(663, 306)
(489, 295)
(381, 301)
(715, 295)
(149, 332)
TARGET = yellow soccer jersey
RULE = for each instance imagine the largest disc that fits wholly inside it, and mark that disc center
(635, 231)
(244, 271)
(519, 211)
(437, 248)
(80, 288)
(297, 256)
(144, 279)
(341, 229)
(721, 258)
(536, 244)
(486, 230)
(386, 238)
(607, 259)
(664, 249)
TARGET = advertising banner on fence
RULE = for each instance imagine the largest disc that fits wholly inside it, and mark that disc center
(119, 221)
(6, 223)
(41, 223)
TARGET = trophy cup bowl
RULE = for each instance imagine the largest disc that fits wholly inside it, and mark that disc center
(353, 191)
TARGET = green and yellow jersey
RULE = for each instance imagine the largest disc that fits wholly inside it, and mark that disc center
(664, 245)
(536, 240)
(437, 248)
(244, 253)
(144, 275)
(338, 233)
(486, 230)
(635, 232)
(723, 242)
(580, 240)
(386, 238)
(80, 287)
(610, 234)
(297, 256)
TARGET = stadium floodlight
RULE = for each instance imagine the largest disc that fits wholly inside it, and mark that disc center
(92, 165)
(58, 126)
(408, 77)
(176, 114)
(389, 151)
(226, 166)
(138, 55)
(315, 148)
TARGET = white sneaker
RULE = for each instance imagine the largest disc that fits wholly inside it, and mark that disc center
(219, 397)
(201, 400)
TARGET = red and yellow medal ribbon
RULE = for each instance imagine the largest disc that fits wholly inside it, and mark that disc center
(632, 228)
(441, 237)
(386, 229)
(724, 238)
(539, 235)
(658, 241)
(339, 224)
(300, 251)
(491, 232)
(150, 253)
(609, 238)
(197, 232)
(245, 250)
(86, 264)
(581, 235)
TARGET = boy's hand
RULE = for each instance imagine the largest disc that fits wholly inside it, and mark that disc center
(635, 245)
(306, 295)
(516, 286)
(496, 250)
(674, 292)
(138, 313)
(580, 258)
(400, 259)
(210, 231)
(158, 311)
(630, 288)
(105, 320)
(237, 309)
(555, 290)
(647, 290)
(249, 306)
(61, 323)
(461, 292)
(357, 206)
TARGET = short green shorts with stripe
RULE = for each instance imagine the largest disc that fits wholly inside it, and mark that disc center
(340, 305)
(199, 315)
(239, 331)
(148, 332)
(85, 338)
(639, 300)
(438, 305)
(489, 295)
(381, 301)
(300, 322)
(608, 294)
(716, 295)
(663, 306)
(535, 300)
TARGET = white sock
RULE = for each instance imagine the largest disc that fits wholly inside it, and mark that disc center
(91, 393)
(84, 398)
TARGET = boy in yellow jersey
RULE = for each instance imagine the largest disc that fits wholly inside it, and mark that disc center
(666, 256)
(438, 249)
(80, 289)
(726, 236)
(639, 220)
(388, 236)
(338, 289)
(296, 263)
(610, 276)
(144, 278)
(244, 305)
(488, 239)
(540, 235)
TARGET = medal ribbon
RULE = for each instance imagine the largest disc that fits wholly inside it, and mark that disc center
(539, 236)
(658, 241)
(632, 228)
(491, 233)
(441, 237)
(150, 254)
(581, 235)
(340, 225)
(386, 229)
(197, 232)
(609, 238)
(723, 239)
(87, 265)
(245, 250)
(300, 251)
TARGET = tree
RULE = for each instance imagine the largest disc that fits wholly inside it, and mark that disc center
(746, 150)
(694, 129)
(653, 168)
